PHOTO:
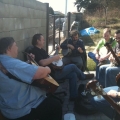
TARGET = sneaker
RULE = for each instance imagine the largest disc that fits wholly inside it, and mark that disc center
(89, 76)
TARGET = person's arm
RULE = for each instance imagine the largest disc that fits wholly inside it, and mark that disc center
(114, 94)
(81, 47)
(64, 44)
(45, 62)
(105, 57)
(41, 72)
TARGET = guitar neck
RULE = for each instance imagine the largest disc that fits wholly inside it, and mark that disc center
(114, 55)
(112, 102)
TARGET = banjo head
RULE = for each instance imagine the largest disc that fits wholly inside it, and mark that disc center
(58, 63)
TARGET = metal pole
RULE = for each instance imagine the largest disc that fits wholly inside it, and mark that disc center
(66, 7)
(47, 26)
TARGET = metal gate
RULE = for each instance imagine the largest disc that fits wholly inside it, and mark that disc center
(58, 30)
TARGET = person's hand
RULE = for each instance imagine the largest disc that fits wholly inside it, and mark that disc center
(112, 59)
(48, 69)
(101, 59)
(32, 56)
(58, 47)
(56, 57)
(112, 93)
(97, 56)
(70, 46)
(80, 50)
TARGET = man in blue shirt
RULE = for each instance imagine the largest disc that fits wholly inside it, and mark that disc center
(18, 98)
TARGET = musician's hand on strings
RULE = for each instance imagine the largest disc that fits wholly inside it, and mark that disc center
(111, 59)
(70, 46)
(97, 56)
(101, 59)
(112, 93)
(56, 57)
(31, 55)
(80, 50)
(48, 69)
(58, 47)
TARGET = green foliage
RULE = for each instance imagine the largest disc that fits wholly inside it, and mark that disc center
(96, 4)
(91, 65)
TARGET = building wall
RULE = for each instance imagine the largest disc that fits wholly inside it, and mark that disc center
(21, 19)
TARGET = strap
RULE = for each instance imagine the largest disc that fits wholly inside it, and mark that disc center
(7, 73)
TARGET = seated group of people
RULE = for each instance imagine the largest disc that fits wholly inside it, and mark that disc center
(19, 99)
(107, 72)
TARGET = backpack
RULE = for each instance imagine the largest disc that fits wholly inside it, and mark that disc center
(82, 104)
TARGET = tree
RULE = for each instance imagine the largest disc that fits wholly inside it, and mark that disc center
(94, 4)
(81, 4)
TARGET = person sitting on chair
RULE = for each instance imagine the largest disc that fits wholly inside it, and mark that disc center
(78, 52)
(70, 71)
(101, 54)
(19, 100)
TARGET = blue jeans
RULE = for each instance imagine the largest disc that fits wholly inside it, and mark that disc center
(76, 60)
(73, 73)
(107, 75)
(103, 106)
(92, 56)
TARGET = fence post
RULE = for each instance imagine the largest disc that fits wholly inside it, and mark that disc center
(53, 32)
(47, 25)
(69, 16)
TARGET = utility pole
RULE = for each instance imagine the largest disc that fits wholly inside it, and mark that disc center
(66, 7)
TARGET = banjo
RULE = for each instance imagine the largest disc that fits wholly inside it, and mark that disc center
(58, 65)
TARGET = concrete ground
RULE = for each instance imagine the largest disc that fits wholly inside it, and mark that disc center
(68, 107)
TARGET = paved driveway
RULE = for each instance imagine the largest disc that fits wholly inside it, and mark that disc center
(68, 106)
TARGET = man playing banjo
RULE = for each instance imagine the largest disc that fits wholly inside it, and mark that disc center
(70, 71)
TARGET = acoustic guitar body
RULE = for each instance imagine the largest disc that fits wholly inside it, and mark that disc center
(48, 84)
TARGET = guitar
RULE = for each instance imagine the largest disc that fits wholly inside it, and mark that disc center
(97, 89)
(112, 52)
(47, 83)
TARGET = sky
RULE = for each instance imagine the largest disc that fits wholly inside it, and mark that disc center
(59, 5)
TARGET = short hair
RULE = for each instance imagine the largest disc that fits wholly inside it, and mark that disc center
(74, 33)
(117, 31)
(5, 43)
(35, 38)
(107, 30)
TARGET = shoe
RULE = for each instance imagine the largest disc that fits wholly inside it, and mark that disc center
(89, 76)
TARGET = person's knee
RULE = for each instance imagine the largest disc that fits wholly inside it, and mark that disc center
(109, 71)
(90, 54)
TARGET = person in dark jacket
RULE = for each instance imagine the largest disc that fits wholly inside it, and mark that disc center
(77, 48)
